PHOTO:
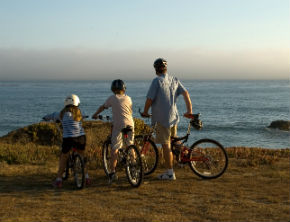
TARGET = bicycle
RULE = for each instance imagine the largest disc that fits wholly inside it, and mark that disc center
(128, 158)
(207, 158)
(75, 162)
(148, 150)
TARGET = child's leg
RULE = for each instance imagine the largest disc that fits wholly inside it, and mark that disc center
(130, 141)
(62, 164)
(80, 144)
(114, 160)
(117, 143)
(83, 155)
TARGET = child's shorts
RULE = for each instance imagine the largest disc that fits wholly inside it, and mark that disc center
(73, 142)
(163, 134)
(117, 139)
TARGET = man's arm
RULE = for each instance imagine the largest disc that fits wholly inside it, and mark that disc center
(147, 105)
(187, 101)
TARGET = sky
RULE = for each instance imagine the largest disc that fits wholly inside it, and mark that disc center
(96, 40)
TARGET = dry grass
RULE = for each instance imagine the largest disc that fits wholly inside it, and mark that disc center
(241, 194)
(245, 156)
(255, 187)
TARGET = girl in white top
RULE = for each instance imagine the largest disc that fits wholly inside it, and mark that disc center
(122, 117)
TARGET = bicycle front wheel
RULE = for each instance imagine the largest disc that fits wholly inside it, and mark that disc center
(79, 171)
(134, 169)
(208, 159)
(149, 153)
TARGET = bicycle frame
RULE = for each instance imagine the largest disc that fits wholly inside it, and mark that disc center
(186, 150)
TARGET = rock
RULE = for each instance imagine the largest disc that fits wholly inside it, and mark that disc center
(280, 124)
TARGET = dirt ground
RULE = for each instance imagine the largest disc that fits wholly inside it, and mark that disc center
(241, 194)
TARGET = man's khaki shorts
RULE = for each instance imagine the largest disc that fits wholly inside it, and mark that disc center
(163, 134)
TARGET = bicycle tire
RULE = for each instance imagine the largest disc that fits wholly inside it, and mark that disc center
(150, 156)
(106, 157)
(211, 159)
(78, 171)
(133, 168)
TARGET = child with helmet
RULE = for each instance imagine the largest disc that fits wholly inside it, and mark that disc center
(73, 133)
(122, 117)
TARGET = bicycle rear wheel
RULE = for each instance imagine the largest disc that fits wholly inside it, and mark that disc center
(149, 153)
(106, 156)
(79, 171)
(134, 169)
(209, 159)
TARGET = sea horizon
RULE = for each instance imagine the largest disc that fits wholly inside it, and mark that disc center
(234, 112)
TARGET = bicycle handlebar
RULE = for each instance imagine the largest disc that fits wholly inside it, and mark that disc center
(58, 121)
(141, 114)
(191, 116)
(106, 117)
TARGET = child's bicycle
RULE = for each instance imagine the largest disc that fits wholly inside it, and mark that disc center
(128, 158)
(76, 166)
(207, 158)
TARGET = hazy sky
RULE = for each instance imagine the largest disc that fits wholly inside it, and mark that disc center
(201, 39)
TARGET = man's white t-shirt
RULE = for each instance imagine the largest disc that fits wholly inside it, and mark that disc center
(122, 111)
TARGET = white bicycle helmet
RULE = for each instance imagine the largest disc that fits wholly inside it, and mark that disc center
(72, 100)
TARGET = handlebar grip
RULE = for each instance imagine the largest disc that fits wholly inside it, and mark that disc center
(197, 115)
(101, 117)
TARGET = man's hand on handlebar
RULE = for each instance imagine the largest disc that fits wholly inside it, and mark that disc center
(145, 115)
(188, 115)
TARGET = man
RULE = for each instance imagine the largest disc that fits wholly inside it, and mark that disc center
(162, 96)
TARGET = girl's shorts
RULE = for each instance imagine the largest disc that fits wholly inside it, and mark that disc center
(73, 142)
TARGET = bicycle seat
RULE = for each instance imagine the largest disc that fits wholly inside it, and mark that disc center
(127, 129)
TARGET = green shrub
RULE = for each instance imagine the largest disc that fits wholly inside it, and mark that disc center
(40, 142)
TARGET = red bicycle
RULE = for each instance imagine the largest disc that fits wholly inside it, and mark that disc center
(207, 158)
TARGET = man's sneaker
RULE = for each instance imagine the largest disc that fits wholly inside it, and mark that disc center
(112, 178)
(57, 184)
(88, 182)
(166, 176)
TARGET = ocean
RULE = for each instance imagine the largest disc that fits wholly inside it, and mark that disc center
(234, 112)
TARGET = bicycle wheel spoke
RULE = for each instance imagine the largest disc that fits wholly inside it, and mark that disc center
(208, 159)
(134, 169)
(149, 154)
(106, 154)
(78, 169)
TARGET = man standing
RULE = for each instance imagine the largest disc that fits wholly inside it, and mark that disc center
(162, 96)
